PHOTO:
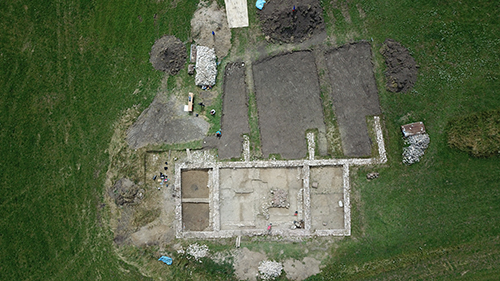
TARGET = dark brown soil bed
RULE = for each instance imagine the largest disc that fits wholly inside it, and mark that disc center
(195, 216)
(194, 184)
(168, 54)
(288, 101)
(282, 23)
(401, 73)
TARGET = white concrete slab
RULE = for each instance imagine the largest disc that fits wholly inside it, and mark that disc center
(237, 13)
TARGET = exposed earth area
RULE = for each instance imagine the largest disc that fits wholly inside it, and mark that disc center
(164, 121)
(290, 20)
(401, 73)
(274, 102)
(288, 101)
(208, 18)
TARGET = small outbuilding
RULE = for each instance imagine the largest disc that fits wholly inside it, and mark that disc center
(413, 129)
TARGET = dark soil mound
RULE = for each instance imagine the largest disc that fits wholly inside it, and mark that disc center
(281, 22)
(401, 71)
(168, 54)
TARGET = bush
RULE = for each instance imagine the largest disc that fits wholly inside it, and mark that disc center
(477, 134)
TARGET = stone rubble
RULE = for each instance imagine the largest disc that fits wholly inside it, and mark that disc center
(279, 198)
(415, 149)
(206, 66)
(372, 175)
(270, 269)
(197, 251)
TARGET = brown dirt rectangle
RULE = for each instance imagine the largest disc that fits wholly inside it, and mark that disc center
(234, 111)
(288, 102)
(194, 184)
(354, 94)
(195, 216)
(325, 210)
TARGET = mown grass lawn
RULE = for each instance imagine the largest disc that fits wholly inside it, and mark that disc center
(67, 71)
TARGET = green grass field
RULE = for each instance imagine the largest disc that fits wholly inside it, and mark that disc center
(69, 68)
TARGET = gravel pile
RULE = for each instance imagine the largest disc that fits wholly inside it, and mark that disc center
(415, 149)
(197, 251)
(206, 66)
(270, 269)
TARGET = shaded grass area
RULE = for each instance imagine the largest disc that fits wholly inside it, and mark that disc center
(438, 218)
(477, 134)
(67, 70)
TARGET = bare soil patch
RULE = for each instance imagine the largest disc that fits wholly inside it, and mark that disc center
(281, 22)
(195, 184)
(288, 102)
(401, 73)
(325, 210)
(300, 270)
(195, 216)
(207, 19)
(164, 121)
(234, 112)
(354, 94)
(168, 54)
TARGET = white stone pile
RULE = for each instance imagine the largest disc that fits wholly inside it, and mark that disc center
(416, 148)
(206, 66)
(270, 269)
(197, 251)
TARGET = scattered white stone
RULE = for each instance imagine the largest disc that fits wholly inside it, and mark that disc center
(270, 269)
(197, 251)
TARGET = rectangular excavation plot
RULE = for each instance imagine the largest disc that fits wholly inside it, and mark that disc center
(326, 192)
(354, 94)
(288, 102)
(195, 216)
(246, 201)
(195, 194)
(235, 111)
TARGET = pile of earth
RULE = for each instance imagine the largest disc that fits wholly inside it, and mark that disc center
(168, 54)
(281, 22)
(401, 70)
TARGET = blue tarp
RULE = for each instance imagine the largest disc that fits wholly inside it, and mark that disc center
(166, 260)
(260, 4)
